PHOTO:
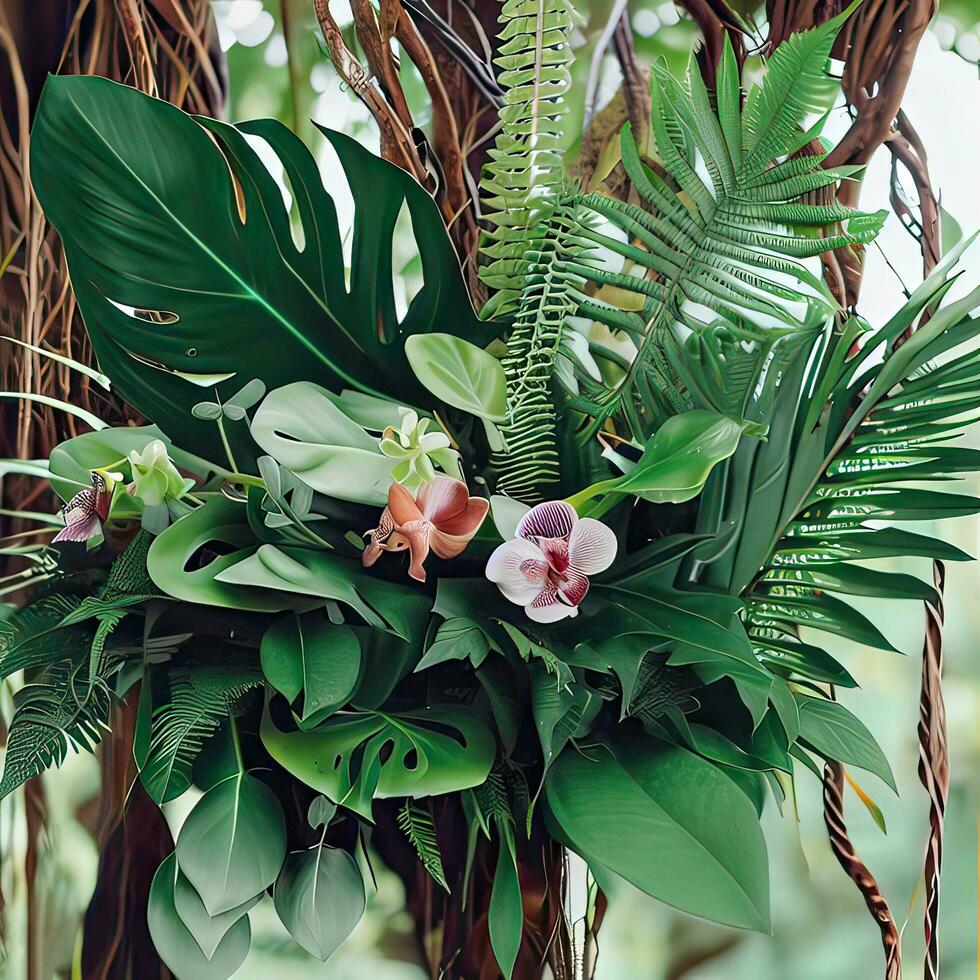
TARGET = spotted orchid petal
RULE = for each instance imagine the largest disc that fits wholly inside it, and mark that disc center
(548, 607)
(84, 513)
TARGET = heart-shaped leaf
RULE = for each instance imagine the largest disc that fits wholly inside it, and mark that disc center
(175, 944)
(207, 930)
(319, 897)
(233, 842)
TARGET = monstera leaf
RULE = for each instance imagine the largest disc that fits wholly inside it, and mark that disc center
(185, 266)
(356, 757)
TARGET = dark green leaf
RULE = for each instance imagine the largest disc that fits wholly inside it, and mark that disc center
(112, 168)
(830, 729)
(709, 860)
(310, 655)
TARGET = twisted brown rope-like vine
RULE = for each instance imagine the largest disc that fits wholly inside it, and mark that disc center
(857, 870)
(933, 765)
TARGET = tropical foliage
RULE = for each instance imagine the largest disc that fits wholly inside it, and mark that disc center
(631, 495)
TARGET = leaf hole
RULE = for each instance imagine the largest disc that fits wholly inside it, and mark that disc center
(204, 554)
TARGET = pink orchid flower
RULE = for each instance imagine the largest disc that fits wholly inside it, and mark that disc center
(444, 517)
(85, 513)
(545, 568)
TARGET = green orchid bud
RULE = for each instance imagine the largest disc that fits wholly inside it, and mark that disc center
(418, 452)
(155, 478)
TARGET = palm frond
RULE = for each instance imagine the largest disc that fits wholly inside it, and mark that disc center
(804, 509)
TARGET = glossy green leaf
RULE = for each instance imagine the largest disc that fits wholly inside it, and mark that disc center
(675, 463)
(112, 168)
(232, 843)
(223, 525)
(830, 729)
(709, 860)
(320, 575)
(355, 758)
(176, 945)
(311, 656)
(457, 639)
(459, 373)
(319, 896)
(302, 428)
(505, 916)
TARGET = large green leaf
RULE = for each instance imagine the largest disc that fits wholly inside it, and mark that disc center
(319, 897)
(302, 427)
(676, 461)
(220, 531)
(183, 259)
(324, 575)
(175, 943)
(668, 821)
(232, 843)
(354, 758)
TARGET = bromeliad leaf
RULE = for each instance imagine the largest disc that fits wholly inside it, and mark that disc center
(216, 257)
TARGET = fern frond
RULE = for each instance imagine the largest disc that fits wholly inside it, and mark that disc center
(493, 800)
(524, 187)
(34, 636)
(524, 178)
(201, 697)
(731, 245)
(416, 824)
(52, 714)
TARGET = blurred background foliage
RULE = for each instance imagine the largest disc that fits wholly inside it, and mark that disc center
(277, 68)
